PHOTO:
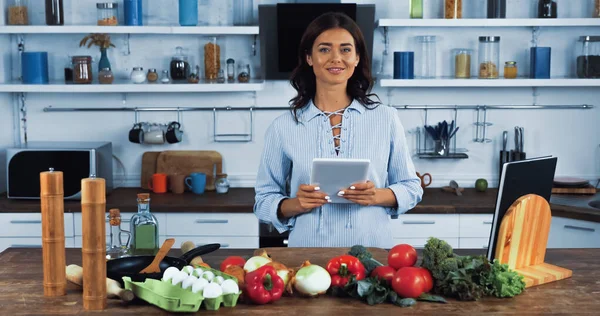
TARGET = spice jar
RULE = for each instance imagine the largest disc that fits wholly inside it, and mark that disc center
(107, 13)
(588, 57)
(230, 69)
(165, 77)
(105, 76)
(221, 76)
(180, 68)
(416, 9)
(55, 12)
(17, 12)
(425, 57)
(152, 76)
(462, 63)
(212, 59)
(244, 73)
(82, 69)
(489, 56)
(547, 9)
(510, 70)
(453, 9)
(137, 75)
(69, 70)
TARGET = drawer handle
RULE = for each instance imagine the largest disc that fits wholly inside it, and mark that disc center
(418, 222)
(212, 221)
(26, 246)
(25, 222)
(580, 228)
(487, 223)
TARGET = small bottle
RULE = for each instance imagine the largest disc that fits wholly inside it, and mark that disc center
(144, 228)
(105, 76)
(221, 76)
(547, 9)
(137, 75)
(510, 70)
(165, 77)
(116, 249)
(152, 76)
(69, 70)
(244, 73)
(230, 70)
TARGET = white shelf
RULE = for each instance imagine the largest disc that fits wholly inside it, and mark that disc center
(146, 29)
(487, 22)
(126, 87)
(449, 82)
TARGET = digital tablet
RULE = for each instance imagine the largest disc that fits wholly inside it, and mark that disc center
(335, 174)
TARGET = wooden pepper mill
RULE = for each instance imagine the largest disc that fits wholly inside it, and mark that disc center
(93, 208)
(53, 232)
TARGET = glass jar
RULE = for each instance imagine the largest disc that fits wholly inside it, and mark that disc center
(222, 184)
(82, 69)
(137, 75)
(425, 56)
(17, 12)
(133, 12)
(547, 9)
(242, 12)
(510, 70)
(54, 12)
(105, 76)
(212, 59)
(596, 8)
(588, 57)
(165, 77)
(69, 70)
(115, 247)
(416, 9)
(453, 9)
(230, 70)
(221, 76)
(144, 228)
(107, 13)
(188, 12)
(462, 63)
(180, 68)
(244, 73)
(489, 56)
(496, 9)
(152, 76)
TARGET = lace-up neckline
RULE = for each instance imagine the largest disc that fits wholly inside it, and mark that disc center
(335, 137)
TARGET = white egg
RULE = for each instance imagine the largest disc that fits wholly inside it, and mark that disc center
(212, 290)
(179, 277)
(197, 272)
(188, 282)
(188, 269)
(169, 273)
(218, 279)
(230, 287)
(199, 285)
(209, 275)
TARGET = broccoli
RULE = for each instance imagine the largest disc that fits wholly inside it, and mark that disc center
(365, 257)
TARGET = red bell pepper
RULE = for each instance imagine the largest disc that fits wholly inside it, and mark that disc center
(342, 268)
(263, 285)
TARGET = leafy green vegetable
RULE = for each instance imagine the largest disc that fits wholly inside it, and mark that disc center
(431, 298)
(402, 302)
(365, 257)
(503, 282)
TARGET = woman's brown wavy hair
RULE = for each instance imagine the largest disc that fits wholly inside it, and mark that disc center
(303, 78)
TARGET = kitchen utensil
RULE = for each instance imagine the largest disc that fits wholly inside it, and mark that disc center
(422, 177)
(505, 156)
(53, 232)
(162, 252)
(116, 269)
(196, 182)
(518, 154)
(113, 288)
(190, 161)
(521, 138)
(452, 190)
(504, 140)
(456, 188)
(149, 159)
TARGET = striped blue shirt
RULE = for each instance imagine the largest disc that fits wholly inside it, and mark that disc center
(289, 150)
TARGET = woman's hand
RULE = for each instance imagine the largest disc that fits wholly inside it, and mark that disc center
(307, 198)
(361, 193)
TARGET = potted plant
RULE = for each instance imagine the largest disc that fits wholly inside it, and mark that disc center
(102, 41)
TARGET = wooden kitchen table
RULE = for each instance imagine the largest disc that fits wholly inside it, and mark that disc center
(21, 291)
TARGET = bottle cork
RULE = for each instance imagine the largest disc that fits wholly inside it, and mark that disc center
(93, 208)
(53, 232)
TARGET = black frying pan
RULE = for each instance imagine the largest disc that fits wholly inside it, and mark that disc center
(116, 269)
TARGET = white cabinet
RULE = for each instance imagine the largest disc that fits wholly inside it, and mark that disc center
(475, 230)
(573, 233)
(29, 242)
(474, 243)
(227, 242)
(212, 224)
(420, 242)
(425, 226)
(29, 224)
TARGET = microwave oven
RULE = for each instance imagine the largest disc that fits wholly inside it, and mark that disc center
(76, 160)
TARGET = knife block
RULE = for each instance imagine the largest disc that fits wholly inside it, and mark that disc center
(522, 241)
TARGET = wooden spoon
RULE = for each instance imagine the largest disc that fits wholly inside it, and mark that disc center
(154, 267)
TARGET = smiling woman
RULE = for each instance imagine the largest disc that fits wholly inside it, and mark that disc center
(333, 116)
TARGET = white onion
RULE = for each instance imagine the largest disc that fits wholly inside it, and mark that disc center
(255, 263)
(312, 280)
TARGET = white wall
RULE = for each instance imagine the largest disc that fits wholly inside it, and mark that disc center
(572, 135)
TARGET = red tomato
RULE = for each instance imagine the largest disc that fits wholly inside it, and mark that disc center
(427, 280)
(384, 272)
(401, 256)
(408, 282)
(232, 261)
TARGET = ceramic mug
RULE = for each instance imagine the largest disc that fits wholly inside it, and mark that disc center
(422, 177)
(174, 133)
(156, 136)
(158, 183)
(196, 182)
(136, 134)
(176, 183)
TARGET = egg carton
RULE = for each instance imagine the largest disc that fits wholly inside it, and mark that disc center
(173, 297)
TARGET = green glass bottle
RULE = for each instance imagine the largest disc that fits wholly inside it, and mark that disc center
(416, 9)
(144, 228)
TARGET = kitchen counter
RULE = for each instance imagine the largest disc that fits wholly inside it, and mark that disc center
(21, 290)
(241, 200)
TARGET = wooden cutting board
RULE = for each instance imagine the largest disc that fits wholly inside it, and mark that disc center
(585, 190)
(189, 161)
(148, 167)
(294, 257)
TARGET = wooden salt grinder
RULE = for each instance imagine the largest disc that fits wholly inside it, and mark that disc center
(53, 232)
(93, 208)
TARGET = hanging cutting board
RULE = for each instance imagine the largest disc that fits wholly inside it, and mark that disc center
(590, 190)
(189, 161)
(148, 167)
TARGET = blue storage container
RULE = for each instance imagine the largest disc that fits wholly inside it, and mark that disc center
(133, 12)
(34, 67)
(188, 12)
(540, 62)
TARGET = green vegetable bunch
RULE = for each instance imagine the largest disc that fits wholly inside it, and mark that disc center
(468, 278)
(365, 257)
